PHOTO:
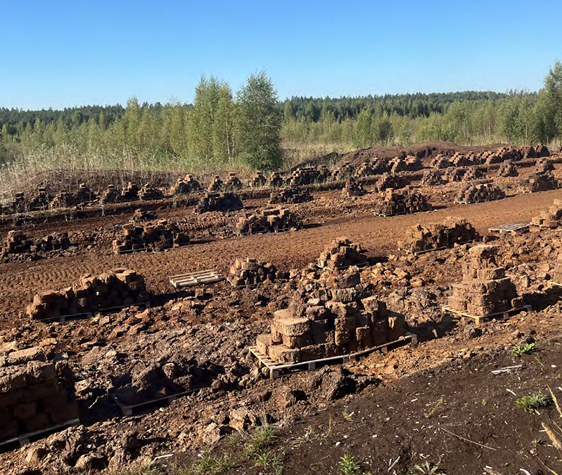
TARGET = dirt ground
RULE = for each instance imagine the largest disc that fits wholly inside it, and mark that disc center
(437, 403)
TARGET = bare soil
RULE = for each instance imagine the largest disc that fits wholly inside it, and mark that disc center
(437, 402)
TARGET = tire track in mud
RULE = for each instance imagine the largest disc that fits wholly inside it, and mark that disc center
(20, 281)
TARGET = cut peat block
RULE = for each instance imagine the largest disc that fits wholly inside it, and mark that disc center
(276, 369)
(480, 319)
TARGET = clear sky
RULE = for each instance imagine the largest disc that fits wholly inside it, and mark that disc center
(57, 53)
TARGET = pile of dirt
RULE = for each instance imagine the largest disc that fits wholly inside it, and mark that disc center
(109, 195)
(141, 215)
(473, 174)
(34, 394)
(408, 164)
(390, 181)
(257, 180)
(542, 181)
(215, 185)
(432, 178)
(155, 237)
(83, 195)
(407, 202)
(129, 193)
(149, 193)
(343, 172)
(110, 289)
(268, 221)
(18, 243)
(184, 186)
(508, 169)
(344, 319)
(290, 195)
(308, 175)
(275, 180)
(251, 272)
(440, 162)
(437, 236)
(543, 165)
(485, 289)
(556, 273)
(353, 188)
(550, 218)
(233, 182)
(342, 253)
(454, 175)
(478, 193)
(218, 202)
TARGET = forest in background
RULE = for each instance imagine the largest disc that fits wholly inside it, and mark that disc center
(253, 129)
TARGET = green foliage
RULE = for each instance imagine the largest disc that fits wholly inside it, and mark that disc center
(426, 468)
(348, 465)
(258, 123)
(520, 350)
(550, 105)
(262, 438)
(226, 129)
(533, 402)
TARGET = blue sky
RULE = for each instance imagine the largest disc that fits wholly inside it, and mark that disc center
(59, 53)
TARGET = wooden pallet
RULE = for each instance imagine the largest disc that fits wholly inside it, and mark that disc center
(419, 253)
(195, 278)
(478, 320)
(276, 369)
(149, 249)
(381, 215)
(513, 228)
(132, 409)
(25, 439)
(360, 266)
(77, 316)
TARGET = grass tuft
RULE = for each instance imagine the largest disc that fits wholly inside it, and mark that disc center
(533, 402)
(520, 350)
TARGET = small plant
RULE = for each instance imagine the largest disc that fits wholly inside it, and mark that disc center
(437, 405)
(225, 463)
(264, 459)
(520, 350)
(277, 465)
(427, 468)
(533, 402)
(348, 465)
(261, 439)
(348, 416)
(234, 439)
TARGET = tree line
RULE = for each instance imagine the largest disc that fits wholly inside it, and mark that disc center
(250, 127)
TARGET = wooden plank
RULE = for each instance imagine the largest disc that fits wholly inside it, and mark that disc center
(25, 439)
(510, 228)
(195, 278)
(479, 319)
(275, 369)
(129, 410)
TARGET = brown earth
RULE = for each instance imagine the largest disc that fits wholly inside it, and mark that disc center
(437, 402)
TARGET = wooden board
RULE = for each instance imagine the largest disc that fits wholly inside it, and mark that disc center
(510, 228)
(76, 316)
(25, 439)
(276, 369)
(129, 410)
(195, 278)
(479, 319)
